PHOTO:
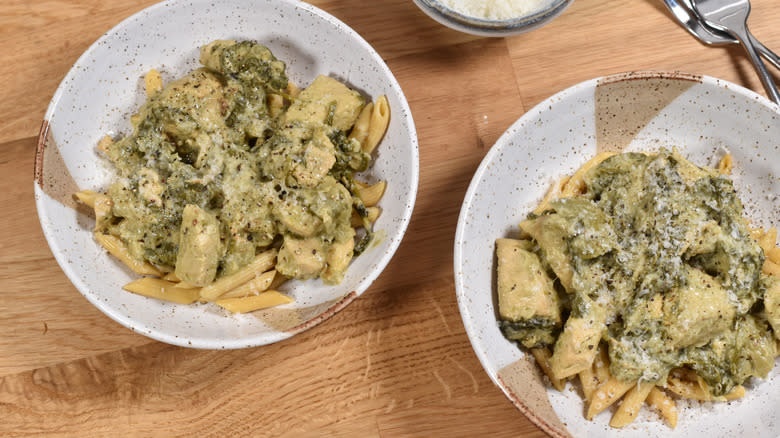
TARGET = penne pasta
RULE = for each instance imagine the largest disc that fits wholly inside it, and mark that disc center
(104, 143)
(725, 165)
(102, 206)
(542, 356)
(771, 268)
(292, 90)
(665, 405)
(87, 197)
(275, 105)
(687, 388)
(596, 375)
(252, 287)
(588, 382)
(171, 276)
(737, 392)
(632, 402)
(118, 249)
(774, 255)
(360, 130)
(607, 395)
(254, 302)
(373, 213)
(263, 262)
(552, 194)
(278, 280)
(380, 118)
(576, 184)
(162, 289)
(370, 195)
(152, 82)
(185, 285)
(768, 239)
(601, 367)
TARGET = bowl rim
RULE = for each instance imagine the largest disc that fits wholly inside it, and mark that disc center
(491, 155)
(487, 27)
(262, 338)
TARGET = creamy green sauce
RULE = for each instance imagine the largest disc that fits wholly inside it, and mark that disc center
(658, 254)
(211, 176)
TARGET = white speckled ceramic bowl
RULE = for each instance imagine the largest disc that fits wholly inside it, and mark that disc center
(703, 117)
(492, 28)
(105, 86)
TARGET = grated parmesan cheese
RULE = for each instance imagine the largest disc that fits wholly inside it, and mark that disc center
(496, 9)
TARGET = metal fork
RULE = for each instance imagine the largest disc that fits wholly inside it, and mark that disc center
(730, 16)
(682, 11)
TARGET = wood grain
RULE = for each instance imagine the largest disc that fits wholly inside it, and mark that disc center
(396, 362)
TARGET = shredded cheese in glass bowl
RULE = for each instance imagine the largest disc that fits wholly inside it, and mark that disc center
(497, 18)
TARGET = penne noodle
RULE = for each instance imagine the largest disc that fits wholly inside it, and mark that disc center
(255, 302)
(601, 367)
(162, 289)
(103, 206)
(576, 184)
(768, 239)
(171, 276)
(774, 255)
(726, 164)
(252, 287)
(665, 405)
(632, 402)
(700, 391)
(596, 375)
(152, 82)
(292, 90)
(687, 389)
(87, 197)
(373, 213)
(185, 285)
(770, 268)
(275, 104)
(542, 356)
(278, 280)
(606, 395)
(100, 203)
(263, 262)
(118, 249)
(588, 382)
(104, 143)
(380, 118)
(360, 130)
(370, 195)
(552, 194)
(737, 392)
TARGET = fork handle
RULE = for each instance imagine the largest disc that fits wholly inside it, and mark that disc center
(763, 74)
(746, 39)
(765, 52)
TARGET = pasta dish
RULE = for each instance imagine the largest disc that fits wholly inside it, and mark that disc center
(640, 276)
(234, 180)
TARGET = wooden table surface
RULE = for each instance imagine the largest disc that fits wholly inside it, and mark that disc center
(397, 361)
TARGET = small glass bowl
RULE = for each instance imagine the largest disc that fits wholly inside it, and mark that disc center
(491, 28)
